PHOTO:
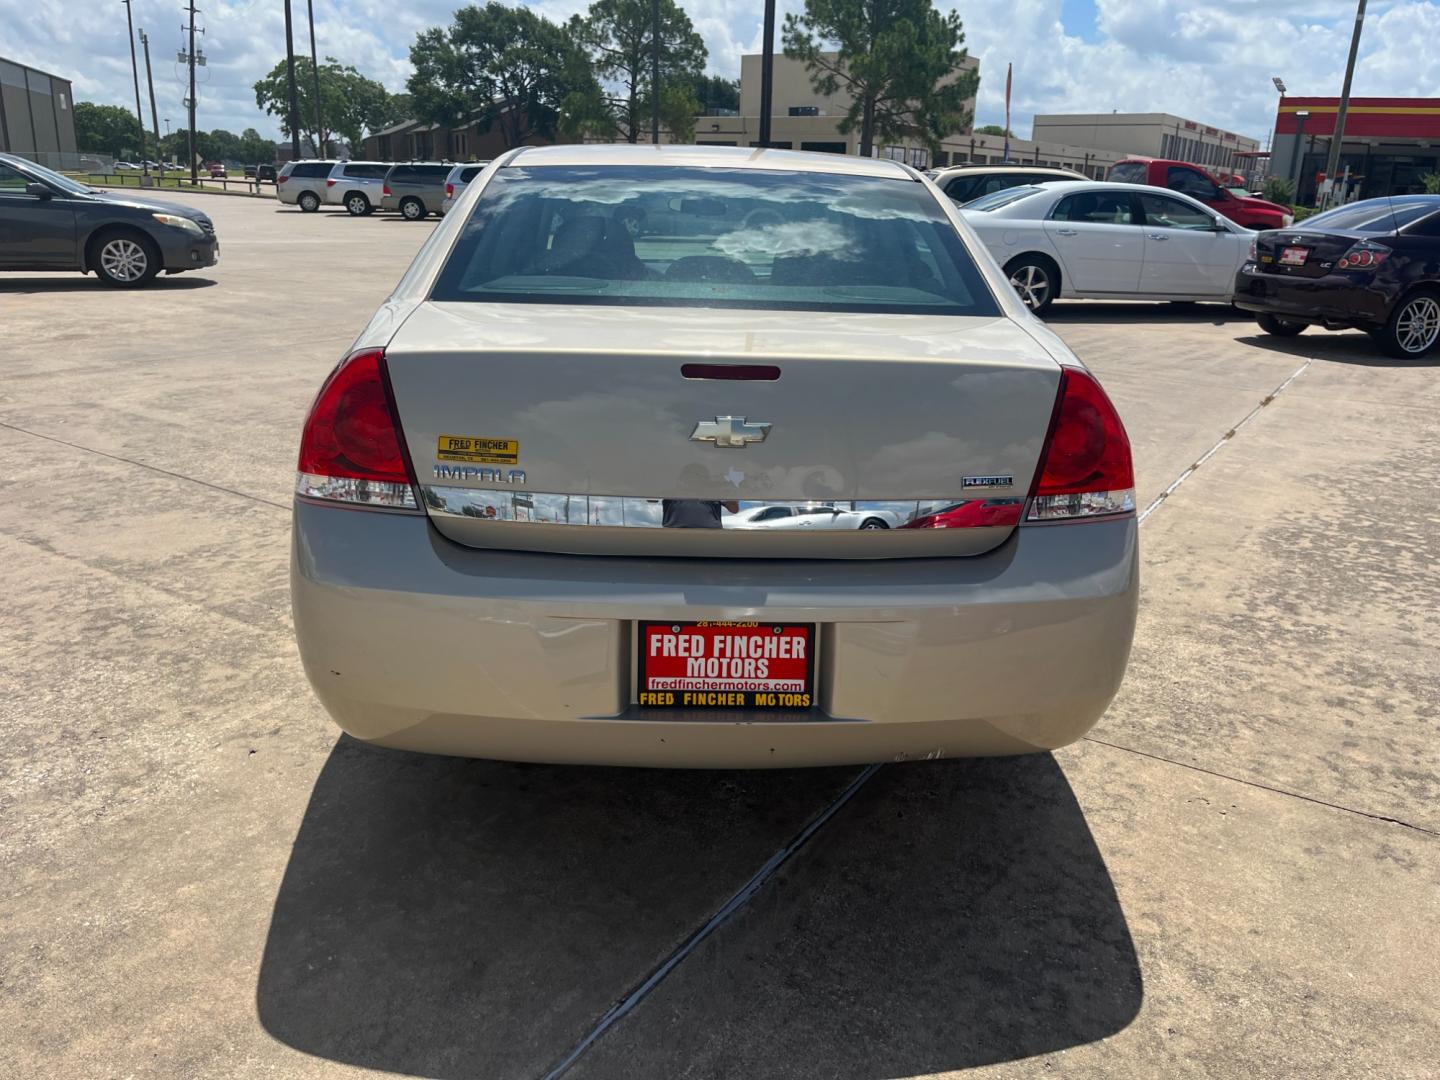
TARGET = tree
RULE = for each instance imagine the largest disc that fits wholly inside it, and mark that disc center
(106, 129)
(619, 37)
(350, 103)
(994, 129)
(499, 67)
(715, 92)
(899, 61)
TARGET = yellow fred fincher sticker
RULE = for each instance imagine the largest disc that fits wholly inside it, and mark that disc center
(474, 448)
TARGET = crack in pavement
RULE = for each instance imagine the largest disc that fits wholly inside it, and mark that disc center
(144, 465)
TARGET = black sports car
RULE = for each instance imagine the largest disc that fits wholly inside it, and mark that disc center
(1373, 265)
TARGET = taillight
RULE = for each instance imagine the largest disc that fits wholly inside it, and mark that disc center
(1254, 248)
(281, 179)
(449, 191)
(1085, 467)
(387, 188)
(351, 449)
(1364, 255)
(330, 181)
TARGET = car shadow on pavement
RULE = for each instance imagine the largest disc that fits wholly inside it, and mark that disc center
(452, 919)
(1142, 313)
(1353, 347)
(78, 283)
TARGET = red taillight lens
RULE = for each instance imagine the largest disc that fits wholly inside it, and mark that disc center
(449, 191)
(281, 179)
(1363, 256)
(330, 181)
(387, 190)
(352, 449)
(1085, 467)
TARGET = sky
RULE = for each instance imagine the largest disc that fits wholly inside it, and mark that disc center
(1210, 61)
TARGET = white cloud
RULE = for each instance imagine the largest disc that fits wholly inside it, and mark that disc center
(1208, 60)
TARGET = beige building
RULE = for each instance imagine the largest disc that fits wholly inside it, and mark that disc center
(1148, 135)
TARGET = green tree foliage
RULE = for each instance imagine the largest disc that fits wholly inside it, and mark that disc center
(502, 67)
(350, 104)
(618, 36)
(715, 92)
(107, 129)
(1431, 182)
(892, 57)
(994, 129)
(247, 148)
(1278, 189)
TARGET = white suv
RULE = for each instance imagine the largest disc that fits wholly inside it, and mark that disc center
(302, 183)
(357, 186)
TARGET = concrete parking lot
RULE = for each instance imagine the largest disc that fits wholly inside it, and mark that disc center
(1237, 874)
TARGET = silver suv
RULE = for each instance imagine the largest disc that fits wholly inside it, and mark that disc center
(416, 188)
(302, 183)
(455, 183)
(356, 185)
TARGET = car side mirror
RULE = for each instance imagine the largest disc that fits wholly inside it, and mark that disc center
(40, 191)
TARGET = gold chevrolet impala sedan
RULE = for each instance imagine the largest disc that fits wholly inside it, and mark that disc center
(706, 456)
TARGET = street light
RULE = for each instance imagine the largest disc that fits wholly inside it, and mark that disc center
(1301, 116)
(1279, 83)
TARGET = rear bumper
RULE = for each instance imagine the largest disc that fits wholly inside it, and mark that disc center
(1334, 298)
(415, 642)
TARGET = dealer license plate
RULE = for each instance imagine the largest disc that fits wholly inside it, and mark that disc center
(726, 665)
(1294, 256)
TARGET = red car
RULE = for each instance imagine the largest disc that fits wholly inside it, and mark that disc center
(1194, 181)
(217, 170)
(970, 514)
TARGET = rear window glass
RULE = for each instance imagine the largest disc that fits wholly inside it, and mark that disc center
(1372, 215)
(729, 238)
(1130, 172)
(366, 172)
(312, 169)
(466, 175)
(1002, 198)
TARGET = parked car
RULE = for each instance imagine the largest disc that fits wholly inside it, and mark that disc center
(356, 185)
(265, 174)
(456, 182)
(1099, 240)
(1372, 265)
(415, 189)
(125, 166)
(249, 172)
(217, 170)
(966, 182)
(50, 222)
(1192, 180)
(302, 183)
(812, 517)
(480, 563)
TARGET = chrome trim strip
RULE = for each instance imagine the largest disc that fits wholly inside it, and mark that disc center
(633, 512)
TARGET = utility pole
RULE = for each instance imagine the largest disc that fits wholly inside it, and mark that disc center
(767, 72)
(135, 72)
(294, 115)
(154, 114)
(320, 139)
(190, 103)
(1332, 164)
(655, 72)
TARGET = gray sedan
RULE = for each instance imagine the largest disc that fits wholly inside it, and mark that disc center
(51, 222)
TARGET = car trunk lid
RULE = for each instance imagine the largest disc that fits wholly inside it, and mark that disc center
(523, 420)
(1302, 253)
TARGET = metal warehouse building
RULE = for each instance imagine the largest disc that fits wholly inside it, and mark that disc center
(37, 115)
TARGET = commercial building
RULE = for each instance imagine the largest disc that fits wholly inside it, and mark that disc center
(1158, 135)
(1390, 144)
(37, 115)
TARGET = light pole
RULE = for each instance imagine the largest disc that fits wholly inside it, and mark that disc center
(1332, 163)
(767, 72)
(135, 72)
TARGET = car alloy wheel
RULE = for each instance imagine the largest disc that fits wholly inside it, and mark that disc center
(412, 210)
(1417, 327)
(1033, 285)
(123, 260)
(872, 523)
(309, 202)
(358, 205)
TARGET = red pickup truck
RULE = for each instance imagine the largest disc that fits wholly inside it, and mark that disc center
(1194, 181)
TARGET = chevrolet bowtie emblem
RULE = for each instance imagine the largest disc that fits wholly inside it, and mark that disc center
(729, 432)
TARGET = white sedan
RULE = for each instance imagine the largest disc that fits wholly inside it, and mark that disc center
(1103, 241)
(773, 516)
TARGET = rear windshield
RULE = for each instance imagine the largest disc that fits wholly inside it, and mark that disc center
(466, 175)
(312, 168)
(1002, 198)
(1372, 215)
(728, 238)
(1130, 172)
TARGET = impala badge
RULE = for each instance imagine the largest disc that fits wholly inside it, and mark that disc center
(730, 432)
